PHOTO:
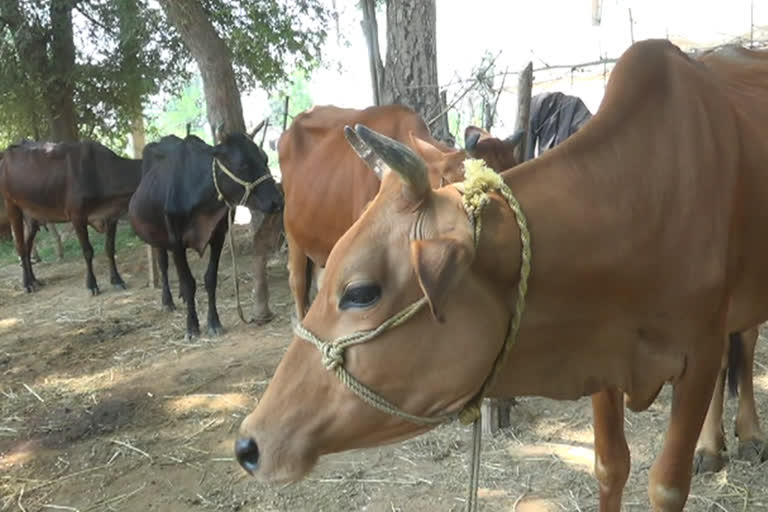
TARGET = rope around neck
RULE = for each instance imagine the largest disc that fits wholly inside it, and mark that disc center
(479, 181)
(249, 186)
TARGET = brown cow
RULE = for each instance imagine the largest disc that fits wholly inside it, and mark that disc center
(327, 186)
(740, 66)
(81, 182)
(632, 286)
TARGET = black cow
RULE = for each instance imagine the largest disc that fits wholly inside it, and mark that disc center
(183, 202)
(81, 182)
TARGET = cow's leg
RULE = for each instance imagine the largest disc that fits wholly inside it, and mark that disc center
(166, 297)
(611, 451)
(298, 280)
(211, 277)
(114, 275)
(710, 448)
(81, 229)
(669, 479)
(16, 219)
(34, 255)
(752, 443)
(266, 236)
(187, 288)
(29, 244)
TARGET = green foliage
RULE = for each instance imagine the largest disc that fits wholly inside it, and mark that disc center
(172, 116)
(125, 238)
(297, 89)
(270, 37)
(127, 52)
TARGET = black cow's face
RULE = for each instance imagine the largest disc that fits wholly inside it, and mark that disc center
(249, 163)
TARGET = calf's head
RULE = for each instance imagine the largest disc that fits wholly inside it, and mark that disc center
(412, 242)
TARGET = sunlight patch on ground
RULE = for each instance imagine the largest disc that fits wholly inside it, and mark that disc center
(18, 455)
(225, 402)
(83, 384)
(535, 505)
(577, 457)
(761, 382)
(7, 323)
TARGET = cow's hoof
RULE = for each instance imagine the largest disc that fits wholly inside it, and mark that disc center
(33, 286)
(94, 291)
(264, 318)
(192, 333)
(215, 330)
(169, 307)
(753, 450)
(119, 286)
(705, 462)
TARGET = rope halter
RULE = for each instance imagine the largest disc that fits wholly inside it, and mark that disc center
(248, 186)
(478, 183)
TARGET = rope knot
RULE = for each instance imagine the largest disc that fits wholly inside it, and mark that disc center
(333, 356)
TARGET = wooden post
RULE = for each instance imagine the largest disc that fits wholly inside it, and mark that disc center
(524, 85)
(496, 410)
(285, 113)
(597, 8)
(139, 140)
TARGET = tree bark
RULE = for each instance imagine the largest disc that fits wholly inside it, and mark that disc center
(410, 72)
(61, 87)
(54, 72)
(222, 98)
(371, 31)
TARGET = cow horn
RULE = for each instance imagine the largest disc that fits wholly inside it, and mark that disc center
(515, 138)
(366, 153)
(398, 157)
(256, 130)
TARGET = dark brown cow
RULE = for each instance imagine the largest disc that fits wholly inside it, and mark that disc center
(648, 236)
(327, 185)
(182, 202)
(79, 182)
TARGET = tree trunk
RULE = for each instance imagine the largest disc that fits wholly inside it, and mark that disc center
(410, 72)
(371, 31)
(60, 90)
(222, 99)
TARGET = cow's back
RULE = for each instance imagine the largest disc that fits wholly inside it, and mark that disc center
(38, 177)
(326, 184)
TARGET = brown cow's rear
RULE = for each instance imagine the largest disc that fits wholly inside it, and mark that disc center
(83, 183)
(327, 186)
(648, 234)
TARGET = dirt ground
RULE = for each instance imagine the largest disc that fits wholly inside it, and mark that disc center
(105, 406)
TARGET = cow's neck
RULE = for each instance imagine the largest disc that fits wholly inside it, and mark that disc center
(584, 236)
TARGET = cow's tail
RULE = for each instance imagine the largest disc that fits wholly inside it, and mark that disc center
(735, 361)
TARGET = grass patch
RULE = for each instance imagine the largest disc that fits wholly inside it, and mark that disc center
(46, 243)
